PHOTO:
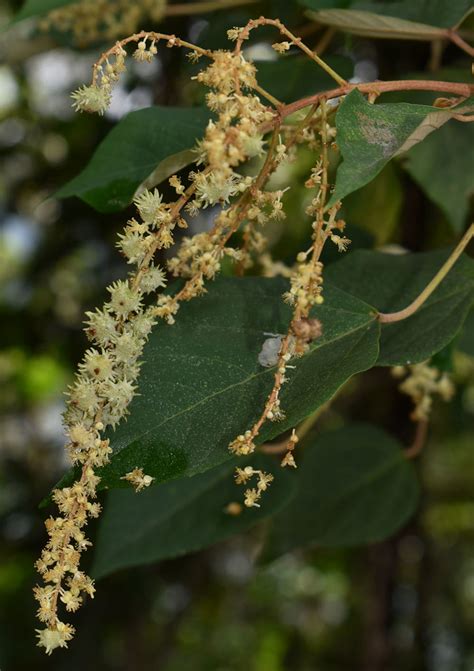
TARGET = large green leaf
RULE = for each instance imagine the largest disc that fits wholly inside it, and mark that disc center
(466, 337)
(181, 516)
(369, 24)
(402, 19)
(385, 195)
(201, 383)
(370, 135)
(354, 487)
(390, 282)
(443, 167)
(442, 13)
(155, 140)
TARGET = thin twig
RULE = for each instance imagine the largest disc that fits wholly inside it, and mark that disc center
(419, 440)
(262, 21)
(390, 317)
(456, 88)
(281, 446)
(150, 35)
(462, 44)
(324, 41)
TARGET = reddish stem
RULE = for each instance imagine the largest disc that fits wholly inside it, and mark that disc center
(456, 88)
(462, 44)
(419, 440)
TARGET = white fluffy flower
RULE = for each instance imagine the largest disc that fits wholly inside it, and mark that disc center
(120, 393)
(50, 639)
(127, 348)
(100, 326)
(97, 365)
(91, 99)
(149, 205)
(152, 279)
(142, 325)
(133, 246)
(123, 299)
(83, 395)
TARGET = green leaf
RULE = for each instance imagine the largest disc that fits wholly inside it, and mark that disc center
(443, 168)
(354, 487)
(369, 24)
(385, 195)
(403, 19)
(370, 135)
(390, 282)
(156, 140)
(293, 77)
(444, 359)
(182, 516)
(33, 8)
(325, 4)
(466, 337)
(201, 383)
(442, 13)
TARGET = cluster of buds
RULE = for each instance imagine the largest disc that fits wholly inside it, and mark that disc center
(266, 206)
(253, 495)
(243, 445)
(97, 96)
(306, 285)
(421, 383)
(138, 479)
(289, 458)
(281, 47)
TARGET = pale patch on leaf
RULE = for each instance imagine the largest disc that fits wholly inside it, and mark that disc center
(369, 136)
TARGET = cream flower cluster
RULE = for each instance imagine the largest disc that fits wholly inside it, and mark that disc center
(421, 383)
(138, 479)
(252, 495)
(106, 381)
(98, 398)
